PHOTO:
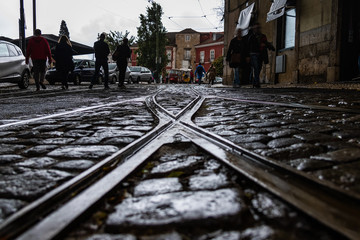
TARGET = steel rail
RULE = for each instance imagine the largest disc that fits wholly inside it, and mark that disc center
(57, 222)
(28, 215)
(325, 202)
(292, 105)
(334, 209)
(337, 211)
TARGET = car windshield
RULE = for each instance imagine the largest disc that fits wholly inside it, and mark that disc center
(77, 62)
(135, 69)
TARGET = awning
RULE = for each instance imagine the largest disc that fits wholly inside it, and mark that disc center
(277, 10)
(244, 19)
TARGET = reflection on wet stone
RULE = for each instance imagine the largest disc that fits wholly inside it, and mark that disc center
(74, 165)
(93, 152)
(37, 162)
(31, 183)
(4, 159)
(157, 186)
(181, 207)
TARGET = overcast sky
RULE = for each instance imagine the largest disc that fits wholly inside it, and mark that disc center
(86, 18)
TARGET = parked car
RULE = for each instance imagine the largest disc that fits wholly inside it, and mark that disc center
(140, 74)
(13, 66)
(113, 73)
(218, 80)
(84, 71)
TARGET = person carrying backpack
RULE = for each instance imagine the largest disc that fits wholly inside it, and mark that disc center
(200, 70)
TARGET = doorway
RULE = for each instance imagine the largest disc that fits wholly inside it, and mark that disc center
(350, 38)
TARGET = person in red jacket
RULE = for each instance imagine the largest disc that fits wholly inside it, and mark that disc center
(38, 50)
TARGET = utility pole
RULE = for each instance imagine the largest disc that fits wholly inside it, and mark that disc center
(157, 44)
(34, 15)
(22, 41)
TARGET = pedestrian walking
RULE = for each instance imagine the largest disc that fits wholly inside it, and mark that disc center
(258, 46)
(102, 52)
(200, 70)
(121, 56)
(211, 74)
(237, 56)
(191, 76)
(38, 50)
(64, 61)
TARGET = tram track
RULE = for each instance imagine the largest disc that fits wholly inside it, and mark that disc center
(329, 205)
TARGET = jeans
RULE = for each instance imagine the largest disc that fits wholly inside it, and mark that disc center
(256, 64)
(39, 67)
(236, 76)
(98, 65)
(122, 71)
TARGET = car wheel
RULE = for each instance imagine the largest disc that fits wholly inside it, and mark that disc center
(138, 80)
(150, 80)
(113, 80)
(24, 80)
(77, 80)
(130, 81)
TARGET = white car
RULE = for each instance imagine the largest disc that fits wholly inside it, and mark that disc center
(140, 74)
(12, 65)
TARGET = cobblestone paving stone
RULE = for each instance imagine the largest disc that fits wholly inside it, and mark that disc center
(38, 156)
(174, 99)
(205, 201)
(315, 141)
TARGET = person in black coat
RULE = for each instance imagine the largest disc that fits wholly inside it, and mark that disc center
(102, 52)
(237, 56)
(64, 62)
(123, 54)
(258, 46)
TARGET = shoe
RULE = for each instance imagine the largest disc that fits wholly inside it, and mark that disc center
(37, 89)
(42, 86)
(90, 86)
(106, 87)
(63, 87)
(121, 86)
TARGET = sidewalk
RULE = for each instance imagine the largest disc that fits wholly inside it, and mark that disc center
(337, 85)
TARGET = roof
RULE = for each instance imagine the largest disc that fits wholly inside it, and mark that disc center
(188, 31)
(219, 38)
(78, 48)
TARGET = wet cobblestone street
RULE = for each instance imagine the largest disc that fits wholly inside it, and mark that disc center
(181, 189)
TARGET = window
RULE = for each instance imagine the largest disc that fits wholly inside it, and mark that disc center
(168, 54)
(202, 56)
(290, 28)
(187, 38)
(12, 51)
(212, 55)
(3, 50)
(187, 54)
(287, 25)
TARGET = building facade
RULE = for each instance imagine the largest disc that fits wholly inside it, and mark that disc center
(315, 40)
(185, 49)
(209, 50)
